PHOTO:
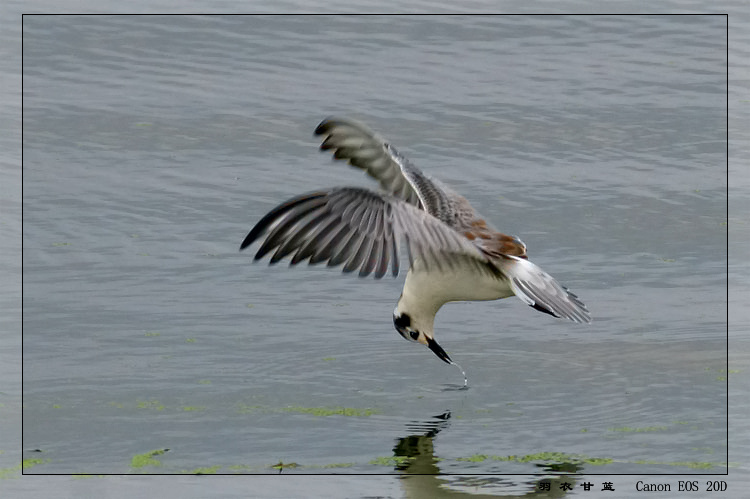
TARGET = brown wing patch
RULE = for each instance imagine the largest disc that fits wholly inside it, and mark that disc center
(495, 243)
(507, 245)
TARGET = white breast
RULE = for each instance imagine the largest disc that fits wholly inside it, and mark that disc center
(432, 288)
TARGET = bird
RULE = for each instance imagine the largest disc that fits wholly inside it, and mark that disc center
(454, 253)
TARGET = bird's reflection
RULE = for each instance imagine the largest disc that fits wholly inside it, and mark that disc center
(418, 446)
(416, 461)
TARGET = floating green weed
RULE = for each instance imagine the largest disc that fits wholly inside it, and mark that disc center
(627, 429)
(191, 408)
(392, 460)
(249, 409)
(241, 467)
(281, 465)
(10, 472)
(693, 464)
(331, 411)
(147, 459)
(476, 458)
(598, 461)
(558, 457)
(337, 465)
(31, 462)
(15, 471)
(149, 404)
(313, 411)
(690, 464)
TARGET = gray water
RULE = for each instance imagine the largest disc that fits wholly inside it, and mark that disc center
(153, 144)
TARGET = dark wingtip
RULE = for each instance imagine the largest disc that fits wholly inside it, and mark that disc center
(274, 214)
(256, 232)
(544, 309)
(249, 238)
(324, 125)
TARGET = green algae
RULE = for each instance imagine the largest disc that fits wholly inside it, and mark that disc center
(333, 465)
(31, 462)
(149, 404)
(690, 464)
(281, 465)
(391, 460)
(147, 459)
(627, 429)
(15, 471)
(331, 411)
(558, 457)
(476, 458)
(190, 408)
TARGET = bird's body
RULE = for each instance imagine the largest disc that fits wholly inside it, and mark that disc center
(454, 254)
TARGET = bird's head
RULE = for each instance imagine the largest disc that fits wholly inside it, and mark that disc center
(418, 331)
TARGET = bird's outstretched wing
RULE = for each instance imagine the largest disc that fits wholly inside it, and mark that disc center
(359, 229)
(540, 290)
(354, 142)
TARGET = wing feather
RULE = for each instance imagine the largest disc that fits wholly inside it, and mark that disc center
(540, 290)
(354, 142)
(360, 229)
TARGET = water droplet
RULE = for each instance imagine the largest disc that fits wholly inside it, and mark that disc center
(466, 380)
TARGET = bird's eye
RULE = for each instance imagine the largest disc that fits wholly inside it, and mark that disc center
(414, 335)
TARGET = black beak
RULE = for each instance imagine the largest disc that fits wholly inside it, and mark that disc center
(438, 350)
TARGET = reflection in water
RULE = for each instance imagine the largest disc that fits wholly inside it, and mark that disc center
(417, 462)
(418, 447)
